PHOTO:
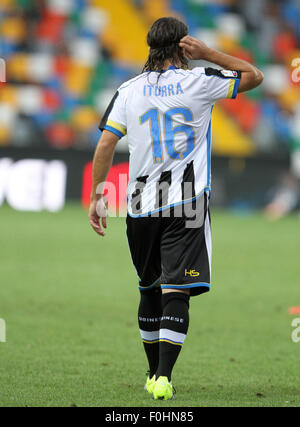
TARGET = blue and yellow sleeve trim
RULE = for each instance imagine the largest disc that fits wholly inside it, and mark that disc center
(115, 128)
(233, 88)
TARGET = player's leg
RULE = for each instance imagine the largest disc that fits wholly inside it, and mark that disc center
(144, 243)
(186, 254)
(149, 316)
(173, 329)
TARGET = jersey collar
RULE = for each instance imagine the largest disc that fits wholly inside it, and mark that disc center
(172, 67)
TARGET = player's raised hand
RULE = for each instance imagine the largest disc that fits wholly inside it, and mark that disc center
(193, 48)
(97, 216)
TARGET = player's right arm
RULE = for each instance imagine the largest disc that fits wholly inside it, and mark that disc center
(113, 127)
(102, 162)
(251, 76)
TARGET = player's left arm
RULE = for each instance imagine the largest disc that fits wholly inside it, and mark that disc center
(102, 162)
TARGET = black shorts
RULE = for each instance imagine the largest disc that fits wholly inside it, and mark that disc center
(172, 252)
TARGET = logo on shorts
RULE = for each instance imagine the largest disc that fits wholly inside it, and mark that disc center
(191, 273)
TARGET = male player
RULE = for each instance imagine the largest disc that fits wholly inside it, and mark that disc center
(166, 112)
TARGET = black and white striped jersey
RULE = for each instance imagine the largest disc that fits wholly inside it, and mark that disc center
(167, 118)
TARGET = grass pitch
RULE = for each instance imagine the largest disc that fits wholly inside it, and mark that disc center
(70, 300)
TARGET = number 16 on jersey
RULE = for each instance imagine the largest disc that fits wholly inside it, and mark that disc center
(169, 133)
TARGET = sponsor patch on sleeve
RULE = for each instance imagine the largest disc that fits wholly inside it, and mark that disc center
(225, 74)
(229, 73)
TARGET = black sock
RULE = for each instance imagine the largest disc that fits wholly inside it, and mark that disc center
(149, 316)
(173, 329)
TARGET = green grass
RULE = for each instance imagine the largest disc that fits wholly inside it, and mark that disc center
(70, 300)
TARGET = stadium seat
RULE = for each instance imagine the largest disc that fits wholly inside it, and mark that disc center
(67, 57)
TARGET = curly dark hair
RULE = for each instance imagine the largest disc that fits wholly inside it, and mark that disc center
(163, 39)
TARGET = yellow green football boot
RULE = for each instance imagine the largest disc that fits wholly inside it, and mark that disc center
(150, 383)
(163, 389)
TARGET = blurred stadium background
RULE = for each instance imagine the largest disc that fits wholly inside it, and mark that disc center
(63, 302)
(65, 59)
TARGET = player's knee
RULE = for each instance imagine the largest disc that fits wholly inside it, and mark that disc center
(180, 300)
(151, 292)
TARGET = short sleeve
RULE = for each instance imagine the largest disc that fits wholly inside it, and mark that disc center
(114, 119)
(222, 84)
